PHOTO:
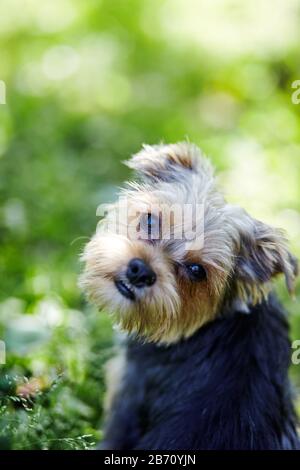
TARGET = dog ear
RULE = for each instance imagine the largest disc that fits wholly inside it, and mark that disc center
(166, 162)
(262, 253)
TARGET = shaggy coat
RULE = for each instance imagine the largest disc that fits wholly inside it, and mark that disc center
(226, 387)
(206, 364)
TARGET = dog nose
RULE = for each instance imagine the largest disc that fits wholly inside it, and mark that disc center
(139, 273)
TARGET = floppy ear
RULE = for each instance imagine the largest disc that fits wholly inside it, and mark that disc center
(165, 162)
(262, 253)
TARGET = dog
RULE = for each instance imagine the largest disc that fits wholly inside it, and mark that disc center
(206, 355)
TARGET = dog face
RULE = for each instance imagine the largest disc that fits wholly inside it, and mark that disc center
(179, 255)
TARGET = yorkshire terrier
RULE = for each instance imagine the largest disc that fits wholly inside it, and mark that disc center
(188, 277)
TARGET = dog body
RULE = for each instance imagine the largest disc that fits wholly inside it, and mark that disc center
(225, 387)
(208, 352)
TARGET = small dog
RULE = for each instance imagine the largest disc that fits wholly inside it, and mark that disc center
(207, 350)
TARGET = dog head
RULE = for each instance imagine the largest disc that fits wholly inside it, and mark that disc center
(172, 254)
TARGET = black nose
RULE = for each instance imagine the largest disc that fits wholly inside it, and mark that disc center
(139, 273)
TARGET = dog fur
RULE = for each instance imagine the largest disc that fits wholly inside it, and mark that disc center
(206, 363)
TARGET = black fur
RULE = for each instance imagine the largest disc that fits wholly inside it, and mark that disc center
(226, 387)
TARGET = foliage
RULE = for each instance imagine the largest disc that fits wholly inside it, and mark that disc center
(86, 84)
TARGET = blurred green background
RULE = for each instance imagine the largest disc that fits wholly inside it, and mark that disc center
(87, 82)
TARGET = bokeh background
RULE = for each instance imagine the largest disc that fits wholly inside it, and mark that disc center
(87, 82)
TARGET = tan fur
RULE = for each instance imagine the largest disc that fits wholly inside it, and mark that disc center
(114, 369)
(240, 255)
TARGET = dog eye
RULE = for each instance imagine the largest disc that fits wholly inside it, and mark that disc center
(196, 272)
(150, 225)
